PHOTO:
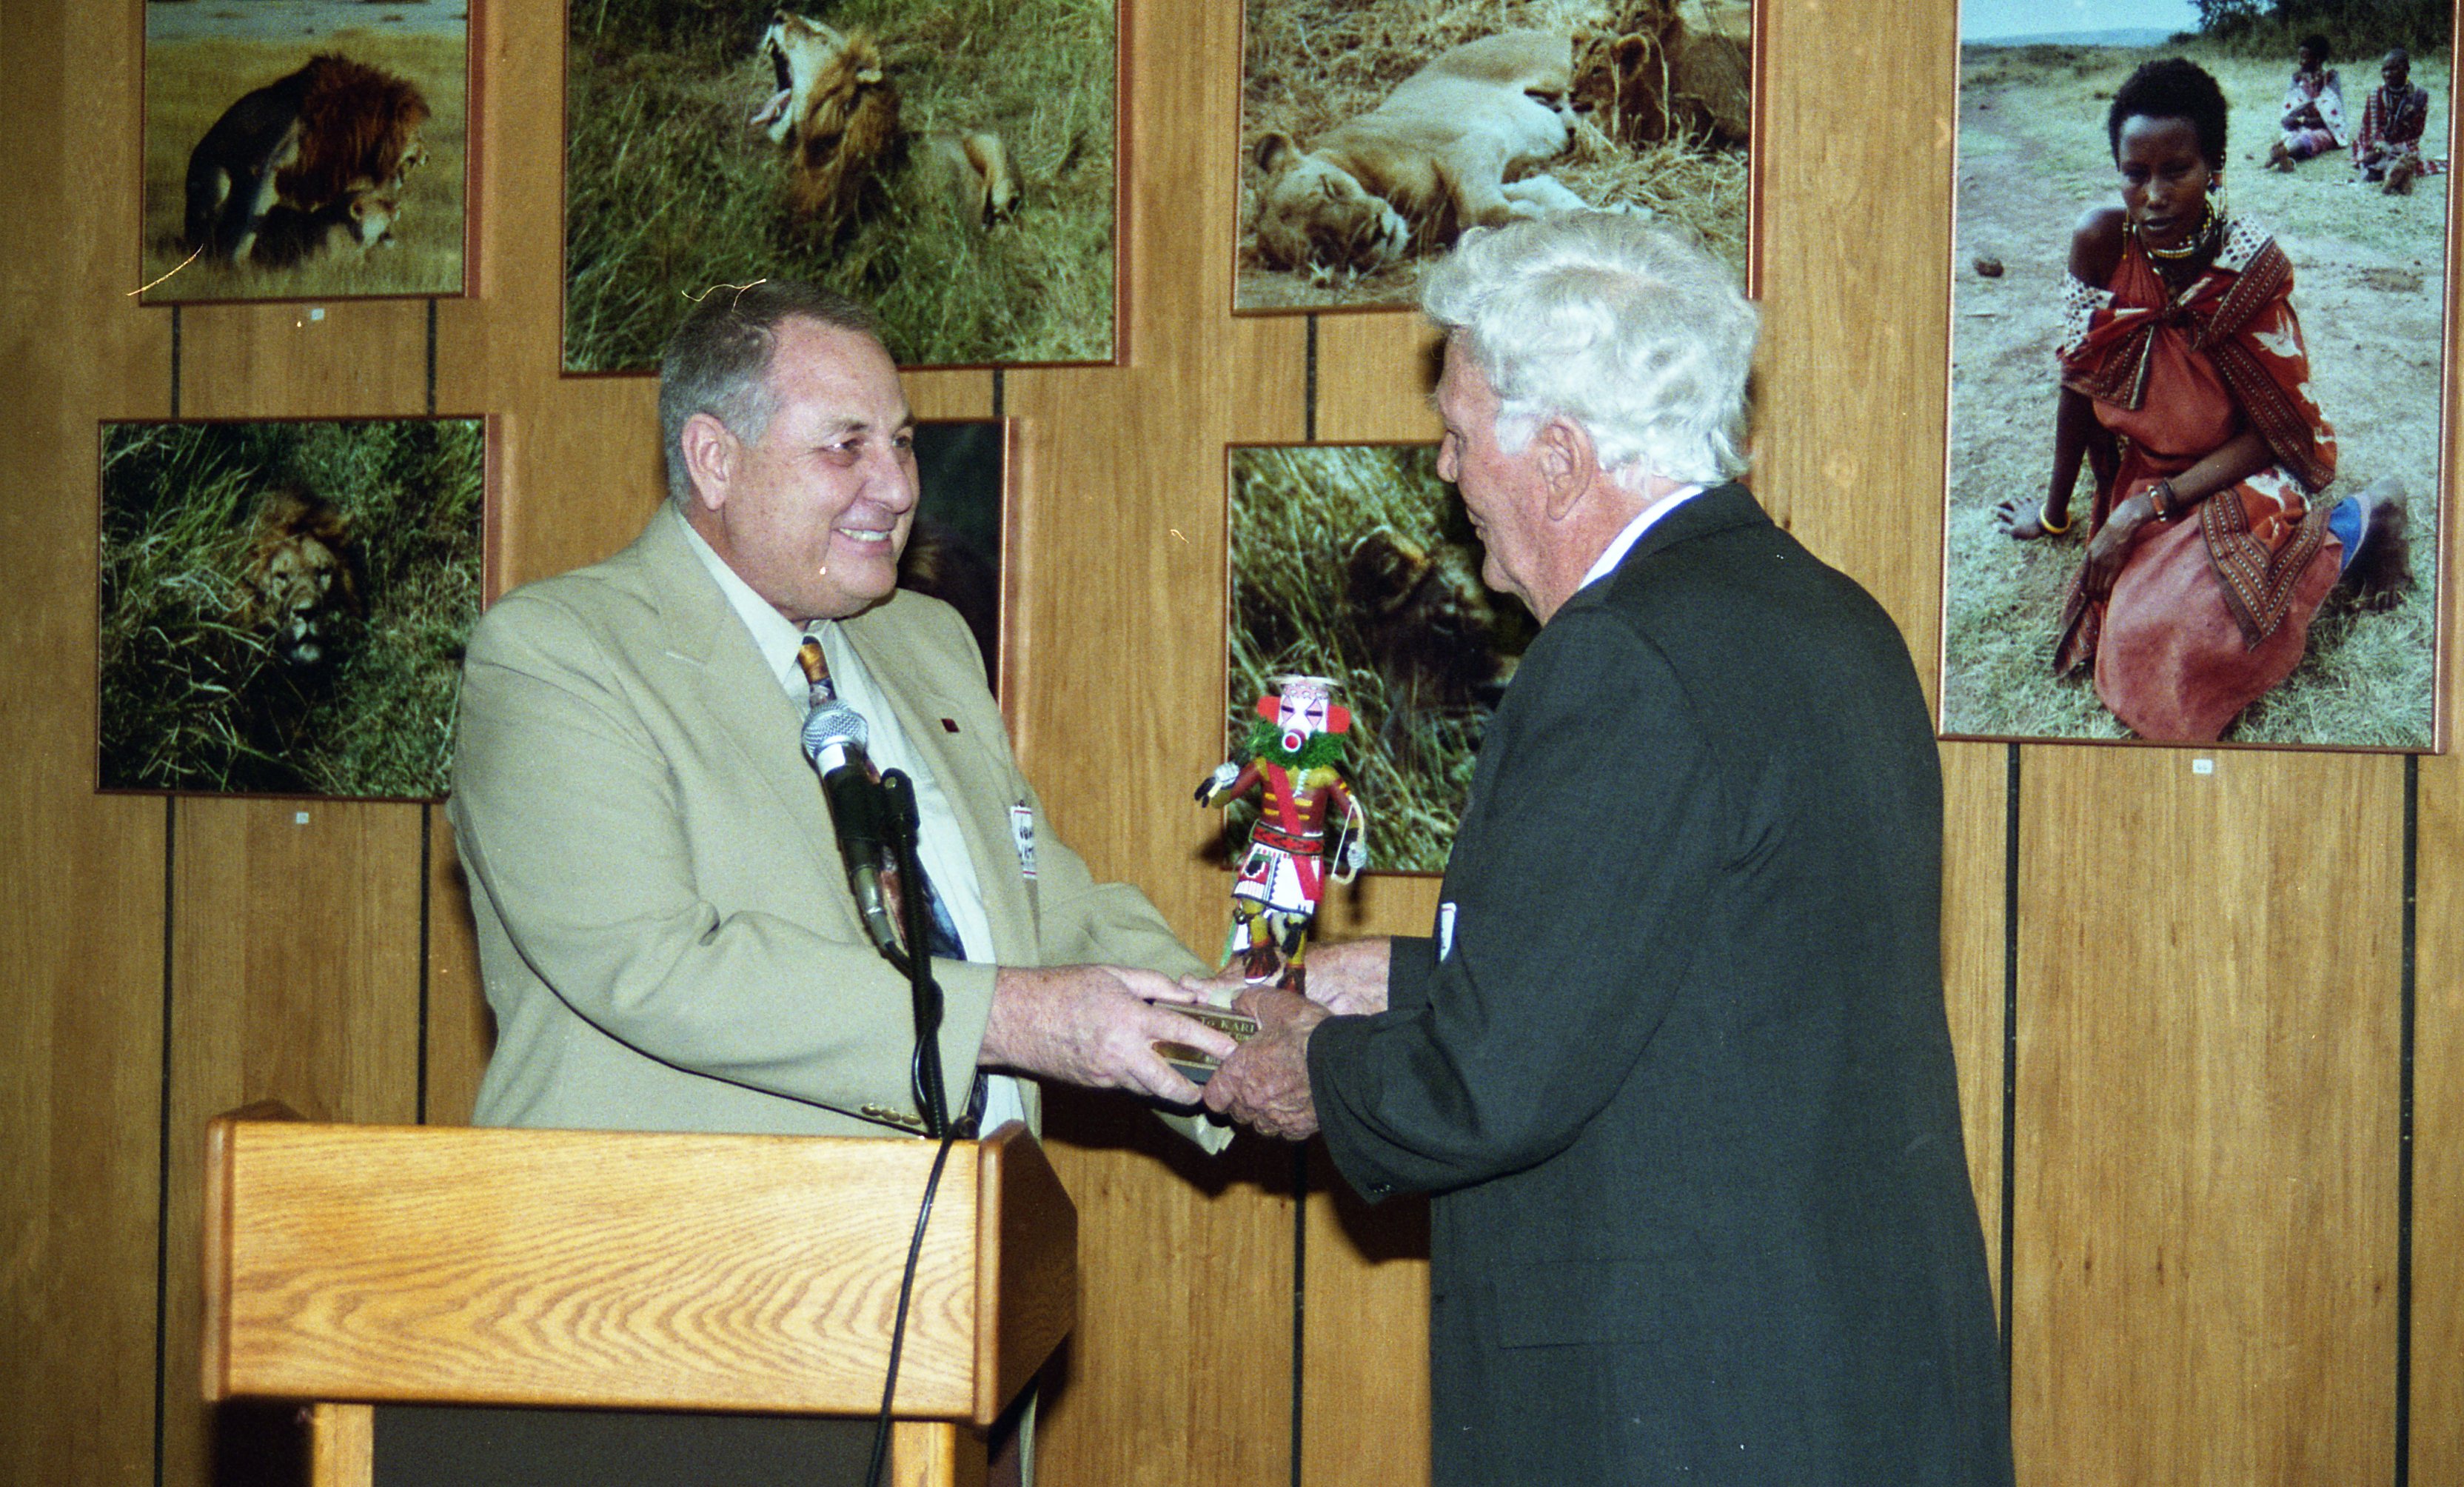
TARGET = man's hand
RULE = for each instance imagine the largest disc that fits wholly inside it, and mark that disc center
(1349, 979)
(1265, 1084)
(1091, 1025)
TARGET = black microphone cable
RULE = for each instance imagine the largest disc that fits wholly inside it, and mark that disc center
(897, 795)
(898, 1326)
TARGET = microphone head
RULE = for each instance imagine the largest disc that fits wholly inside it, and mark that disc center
(836, 724)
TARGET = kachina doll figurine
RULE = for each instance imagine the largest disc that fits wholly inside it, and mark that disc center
(1292, 752)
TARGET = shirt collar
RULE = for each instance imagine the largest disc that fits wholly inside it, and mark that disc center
(1623, 542)
(776, 637)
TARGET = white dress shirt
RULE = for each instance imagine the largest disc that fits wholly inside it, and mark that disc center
(1623, 542)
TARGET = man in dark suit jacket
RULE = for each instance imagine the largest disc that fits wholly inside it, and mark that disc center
(1674, 1060)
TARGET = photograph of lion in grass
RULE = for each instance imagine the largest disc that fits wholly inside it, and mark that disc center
(1373, 132)
(283, 605)
(950, 163)
(2194, 476)
(1356, 563)
(299, 148)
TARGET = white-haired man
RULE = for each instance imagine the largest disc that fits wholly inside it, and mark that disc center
(1674, 1059)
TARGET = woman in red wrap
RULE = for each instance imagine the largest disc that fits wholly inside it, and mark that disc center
(2186, 387)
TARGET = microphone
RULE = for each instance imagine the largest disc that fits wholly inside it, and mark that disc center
(834, 740)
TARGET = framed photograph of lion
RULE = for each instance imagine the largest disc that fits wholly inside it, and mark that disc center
(2195, 478)
(1373, 132)
(283, 605)
(1355, 562)
(949, 163)
(299, 148)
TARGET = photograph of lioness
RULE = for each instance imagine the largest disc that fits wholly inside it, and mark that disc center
(1374, 132)
(283, 603)
(947, 162)
(287, 141)
(1357, 562)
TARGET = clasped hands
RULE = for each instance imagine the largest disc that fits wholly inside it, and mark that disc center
(1265, 1084)
(1098, 1025)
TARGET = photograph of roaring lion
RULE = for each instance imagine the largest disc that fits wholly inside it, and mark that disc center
(1375, 132)
(834, 115)
(283, 603)
(950, 163)
(276, 160)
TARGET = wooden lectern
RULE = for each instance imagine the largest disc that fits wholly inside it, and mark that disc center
(352, 1265)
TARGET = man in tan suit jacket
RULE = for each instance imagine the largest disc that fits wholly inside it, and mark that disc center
(665, 927)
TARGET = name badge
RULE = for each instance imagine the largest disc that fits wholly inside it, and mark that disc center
(1022, 835)
(1445, 929)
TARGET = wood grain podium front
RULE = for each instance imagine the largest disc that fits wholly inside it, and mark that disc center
(351, 1265)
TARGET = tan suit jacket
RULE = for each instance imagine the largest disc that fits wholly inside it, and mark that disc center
(664, 923)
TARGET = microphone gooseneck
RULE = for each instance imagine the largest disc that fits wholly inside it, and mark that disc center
(834, 741)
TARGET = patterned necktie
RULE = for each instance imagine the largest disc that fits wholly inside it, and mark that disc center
(941, 932)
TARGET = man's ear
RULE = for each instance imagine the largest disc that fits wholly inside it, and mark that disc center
(1567, 463)
(710, 451)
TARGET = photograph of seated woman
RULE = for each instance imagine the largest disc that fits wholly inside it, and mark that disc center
(2185, 388)
(2314, 108)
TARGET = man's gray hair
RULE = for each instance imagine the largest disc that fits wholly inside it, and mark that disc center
(1626, 328)
(718, 361)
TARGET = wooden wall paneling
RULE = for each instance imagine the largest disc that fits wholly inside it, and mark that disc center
(2438, 1341)
(294, 968)
(347, 358)
(1180, 1369)
(80, 941)
(1854, 242)
(1975, 836)
(1364, 1384)
(579, 459)
(459, 1031)
(2206, 1273)
(1375, 375)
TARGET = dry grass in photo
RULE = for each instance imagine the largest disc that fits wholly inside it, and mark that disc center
(188, 84)
(1312, 64)
(670, 188)
(284, 605)
(2370, 286)
(1355, 562)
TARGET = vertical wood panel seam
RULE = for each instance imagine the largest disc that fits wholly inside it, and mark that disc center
(1308, 393)
(2404, 1128)
(432, 358)
(2005, 1261)
(1300, 1282)
(1000, 393)
(175, 361)
(426, 894)
(162, 1096)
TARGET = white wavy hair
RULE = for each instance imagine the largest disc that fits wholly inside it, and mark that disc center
(1631, 331)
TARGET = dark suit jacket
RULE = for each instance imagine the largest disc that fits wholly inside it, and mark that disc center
(1681, 1080)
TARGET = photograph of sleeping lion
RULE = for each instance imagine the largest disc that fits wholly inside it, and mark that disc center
(299, 148)
(1373, 132)
(950, 163)
(2199, 313)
